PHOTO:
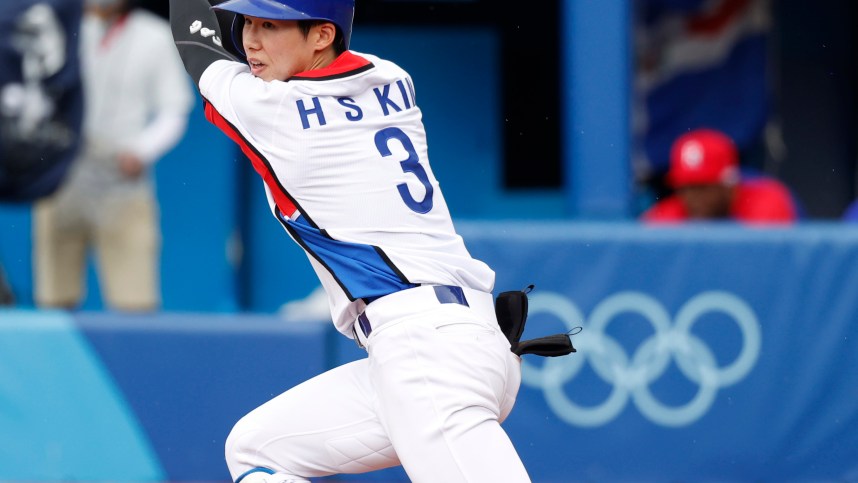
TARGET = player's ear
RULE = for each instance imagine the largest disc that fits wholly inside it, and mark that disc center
(326, 33)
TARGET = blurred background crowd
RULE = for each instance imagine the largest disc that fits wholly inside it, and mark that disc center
(737, 111)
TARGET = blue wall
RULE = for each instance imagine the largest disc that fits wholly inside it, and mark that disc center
(708, 353)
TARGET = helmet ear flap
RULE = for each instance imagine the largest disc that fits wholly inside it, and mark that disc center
(231, 27)
(236, 32)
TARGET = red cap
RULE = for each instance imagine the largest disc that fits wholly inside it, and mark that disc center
(703, 156)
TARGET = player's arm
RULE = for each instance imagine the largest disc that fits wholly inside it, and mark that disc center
(197, 35)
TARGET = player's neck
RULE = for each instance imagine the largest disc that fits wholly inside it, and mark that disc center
(323, 59)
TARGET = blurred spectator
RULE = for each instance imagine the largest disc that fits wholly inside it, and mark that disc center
(700, 63)
(41, 101)
(851, 213)
(704, 172)
(138, 99)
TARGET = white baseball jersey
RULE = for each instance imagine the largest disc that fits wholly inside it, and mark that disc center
(342, 152)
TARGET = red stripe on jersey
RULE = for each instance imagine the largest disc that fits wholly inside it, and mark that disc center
(346, 62)
(260, 164)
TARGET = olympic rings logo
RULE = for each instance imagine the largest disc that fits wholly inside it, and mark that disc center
(631, 376)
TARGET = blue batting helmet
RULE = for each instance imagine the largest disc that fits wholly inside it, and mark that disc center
(339, 12)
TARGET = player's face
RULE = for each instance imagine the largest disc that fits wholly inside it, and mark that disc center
(276, 49)
(707, 202)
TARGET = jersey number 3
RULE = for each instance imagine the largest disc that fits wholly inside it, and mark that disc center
(410, 165)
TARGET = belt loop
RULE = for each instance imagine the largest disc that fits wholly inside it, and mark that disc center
(357, 339)
(365, 326)
(450, 294)
(362, 322)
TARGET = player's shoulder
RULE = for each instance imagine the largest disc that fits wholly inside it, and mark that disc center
(382, 65)
(350, 74)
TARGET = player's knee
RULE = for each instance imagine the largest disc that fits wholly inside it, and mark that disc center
(238, 447)
(247, 463)
(244, 449)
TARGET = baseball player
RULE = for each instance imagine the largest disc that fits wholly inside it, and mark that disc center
(338, 141)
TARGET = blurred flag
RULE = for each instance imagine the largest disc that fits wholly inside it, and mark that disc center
(699, 63)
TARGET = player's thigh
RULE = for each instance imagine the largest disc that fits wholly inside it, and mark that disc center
(59, 256)
(128, 249)
(324, 426)
(448, 355)
(444, 381)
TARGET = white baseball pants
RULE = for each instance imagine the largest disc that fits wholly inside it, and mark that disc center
(439, 380)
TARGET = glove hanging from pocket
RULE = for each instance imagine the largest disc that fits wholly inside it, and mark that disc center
(511, 312)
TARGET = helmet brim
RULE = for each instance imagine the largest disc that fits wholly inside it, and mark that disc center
(270, 9)
(338, 12)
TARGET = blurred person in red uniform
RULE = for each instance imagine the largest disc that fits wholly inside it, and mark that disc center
(708, 186)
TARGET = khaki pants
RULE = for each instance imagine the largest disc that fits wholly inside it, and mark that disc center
(126, 246)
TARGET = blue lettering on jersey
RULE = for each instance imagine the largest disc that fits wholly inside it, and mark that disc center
(409, 165)
(404, 94)
(411, 89)
(384, 100)
(305, 113)
(349, 103)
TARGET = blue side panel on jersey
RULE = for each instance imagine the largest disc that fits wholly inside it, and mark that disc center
(361, 270)
(190, 377)
(61, 415)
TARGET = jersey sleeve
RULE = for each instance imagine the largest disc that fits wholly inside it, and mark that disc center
(197, 34)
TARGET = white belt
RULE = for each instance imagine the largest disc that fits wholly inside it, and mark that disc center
(406, 302)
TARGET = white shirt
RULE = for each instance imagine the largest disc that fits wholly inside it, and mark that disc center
(137, 93)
